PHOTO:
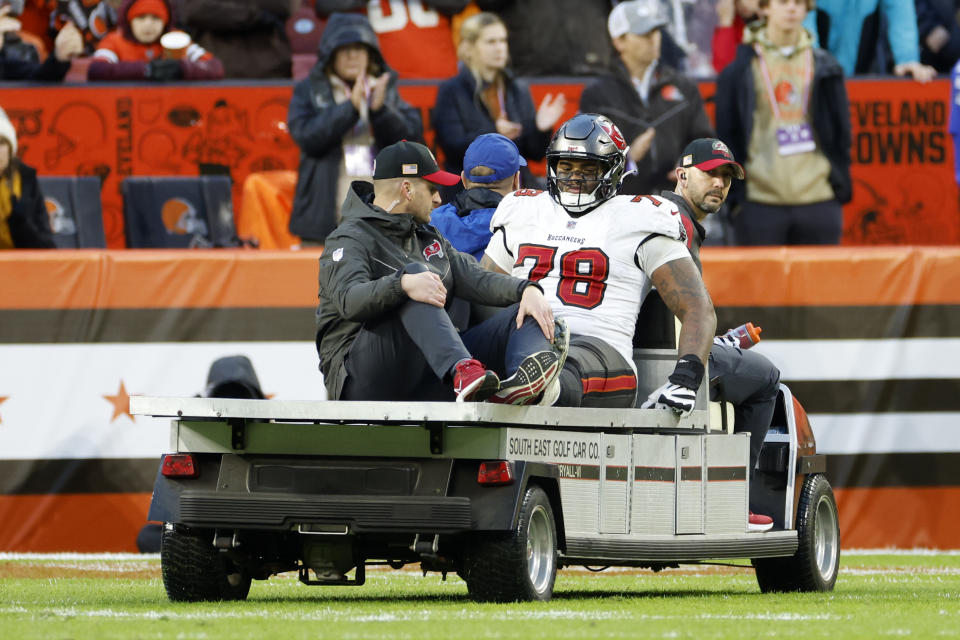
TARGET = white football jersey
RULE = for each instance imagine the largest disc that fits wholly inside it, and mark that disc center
(593, 268)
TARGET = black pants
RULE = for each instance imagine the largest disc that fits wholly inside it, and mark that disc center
(596, 375)
(409, 355)
(749, 382)
(768, 224)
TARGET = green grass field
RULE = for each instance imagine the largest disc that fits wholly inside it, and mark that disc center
(79, 597)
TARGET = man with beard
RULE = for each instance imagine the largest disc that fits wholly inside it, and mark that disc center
(744, 378)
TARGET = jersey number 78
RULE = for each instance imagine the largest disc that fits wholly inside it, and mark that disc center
(582, 277)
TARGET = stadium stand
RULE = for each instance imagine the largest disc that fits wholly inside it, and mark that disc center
(73, 204)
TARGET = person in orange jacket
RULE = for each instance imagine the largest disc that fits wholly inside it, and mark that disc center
(133, 50)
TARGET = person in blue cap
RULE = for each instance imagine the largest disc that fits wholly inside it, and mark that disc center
(491, 168)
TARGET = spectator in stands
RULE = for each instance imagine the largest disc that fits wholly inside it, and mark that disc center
(732, 17)
(939, 27)
(491, 170)
(484, 97)
(34, 17)
(20, 60)
(850, 30)
(23, 215)
(415, 36)
(133, 51)
(555, 37)
(94, 20)
(797, 150)
(249, 36)
(340, 116)
(657, 109)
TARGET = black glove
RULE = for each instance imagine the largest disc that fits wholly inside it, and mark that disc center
(680, 393)
(163, 70)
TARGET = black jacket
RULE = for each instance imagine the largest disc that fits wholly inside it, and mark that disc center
(694, 231)
(674, 109)
(360, 271)
(28, 221)
(736, 101)
(247, 36)
(318, 124)
(459, 116)
(556, 37)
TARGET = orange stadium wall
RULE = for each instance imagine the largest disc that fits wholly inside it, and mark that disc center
(867, 338)
(903, 165)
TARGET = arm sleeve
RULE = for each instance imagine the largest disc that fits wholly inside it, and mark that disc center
(902, 30)
(475, 284)
(206, 67)
(29, 224)
(449, 123)
(396, 120)
(347, 283)
(318, 130)
(724, 46)
(532, 142)
(656, 251)
(101, 69)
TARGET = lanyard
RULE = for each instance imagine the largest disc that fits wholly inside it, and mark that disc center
(807, 73)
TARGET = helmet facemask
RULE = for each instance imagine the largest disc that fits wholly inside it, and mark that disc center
(580, 201)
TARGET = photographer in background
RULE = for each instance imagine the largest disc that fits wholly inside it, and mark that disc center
(20, 60)
(23, 216)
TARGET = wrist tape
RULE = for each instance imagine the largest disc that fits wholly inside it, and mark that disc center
(688, 372)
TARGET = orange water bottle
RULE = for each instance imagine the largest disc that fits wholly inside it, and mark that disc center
(746, 335)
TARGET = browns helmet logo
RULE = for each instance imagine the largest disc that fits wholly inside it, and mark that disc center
(433, 249)
(60, 222)
(180, 217)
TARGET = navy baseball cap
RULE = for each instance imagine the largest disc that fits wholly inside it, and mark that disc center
(495, 151)
(709, 153)
(406, 159)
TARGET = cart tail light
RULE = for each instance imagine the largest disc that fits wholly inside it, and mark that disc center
(495, 473)
(180, 465)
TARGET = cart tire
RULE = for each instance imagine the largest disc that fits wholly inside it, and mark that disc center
(815, 565)
(518, 565)
(193, 570)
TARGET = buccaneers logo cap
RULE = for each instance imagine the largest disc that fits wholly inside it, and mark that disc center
(709, 153)
(406, 159)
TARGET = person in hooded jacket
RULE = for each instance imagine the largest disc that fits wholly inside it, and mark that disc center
(23, 217)
(340, 116)
(132, 51)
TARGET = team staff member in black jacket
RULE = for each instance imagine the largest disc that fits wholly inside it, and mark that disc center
(746, 379)
(657, 109)
(387, 282)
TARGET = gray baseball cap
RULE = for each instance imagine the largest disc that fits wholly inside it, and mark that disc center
(636, 16)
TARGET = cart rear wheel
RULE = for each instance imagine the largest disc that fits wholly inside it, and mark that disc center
(815, 564)
(521, 564)
(193, 570)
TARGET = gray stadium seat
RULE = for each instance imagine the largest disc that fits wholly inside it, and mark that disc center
(178, 212)
(76, 215)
